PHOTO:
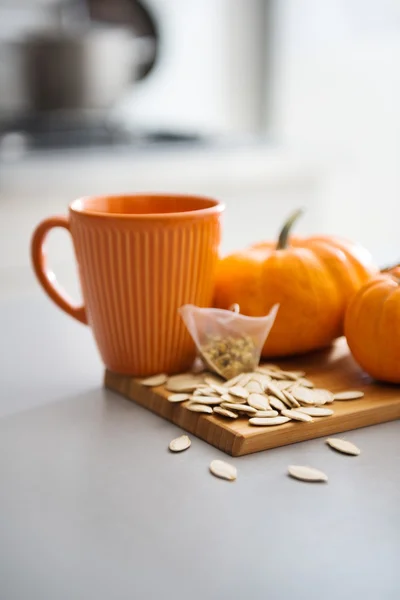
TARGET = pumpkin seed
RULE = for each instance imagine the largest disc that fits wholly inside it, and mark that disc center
(268, 421)
(343, 446)
(294, 375)
(233, 381)
(316, 411)
(239, 391)
(232, 399)
(254, 387)
(244, 379)
(258, 402)
(306, 473)
(239, 407)
(200, 408)
(284, 384)
(266, 413)
(206, 391)
(206, 400)
(322, 396)
(275, 391)
(155, 380)
(276, 403)
(178, 397)
(223, 470)
(291, 399)
(303, 395)
(180, 443)
(305, 382)
(349, 395)
(218, 389)
(296, 415)
(262, 378)
(225, 412)
(276, 375)
(183, 383)
(213, 381)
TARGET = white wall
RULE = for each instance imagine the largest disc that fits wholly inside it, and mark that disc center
(337, 94)
(210, 74)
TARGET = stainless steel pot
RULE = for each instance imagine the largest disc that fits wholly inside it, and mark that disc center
(80, 71)
(83, 71)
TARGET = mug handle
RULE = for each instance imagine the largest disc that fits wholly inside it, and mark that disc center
(45, 276)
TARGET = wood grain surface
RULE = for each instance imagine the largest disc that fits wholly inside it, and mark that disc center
(333, 369)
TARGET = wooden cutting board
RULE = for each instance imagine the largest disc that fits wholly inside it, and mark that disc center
(334, 370)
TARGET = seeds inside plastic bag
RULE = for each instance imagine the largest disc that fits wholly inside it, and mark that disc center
(228, 342)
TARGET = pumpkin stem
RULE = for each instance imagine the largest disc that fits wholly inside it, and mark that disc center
(286, 229)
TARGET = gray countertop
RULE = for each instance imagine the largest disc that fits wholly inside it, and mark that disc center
(92, 505)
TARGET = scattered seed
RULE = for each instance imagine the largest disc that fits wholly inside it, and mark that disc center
(223, 470)
(262, 378)
(200, 408)
(266, 413)
(305, 382)
(343, 446)
(303, 395)
(183, 383)
(254, 387)
(296, 415)
(244, 379)
(291, 399)
(206, 400)
(239, 391)
(229, 398)
(239, 407)
(294, 375)
(258, 402)
(268, 421)
(306, 473)
(350, 395)
(276, 403)
(233, 381)
(225, 412)
(213, 381)
(284, 384)
(155, 380)
(322, 396)
(180, 443)
(276, 375)
(178, 397)
(219, 389)
(316, 411)
(275, 391)
(204, 391)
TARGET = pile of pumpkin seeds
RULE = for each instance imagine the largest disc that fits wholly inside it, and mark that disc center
(267, 396)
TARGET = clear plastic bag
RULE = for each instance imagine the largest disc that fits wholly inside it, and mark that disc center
(229, 343)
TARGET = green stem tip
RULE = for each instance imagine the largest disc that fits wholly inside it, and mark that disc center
(286, 229)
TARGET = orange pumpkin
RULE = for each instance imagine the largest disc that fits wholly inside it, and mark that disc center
(312, 279)
(372, 327)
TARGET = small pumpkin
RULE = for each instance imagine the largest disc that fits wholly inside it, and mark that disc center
(372, 327)
(311, 278)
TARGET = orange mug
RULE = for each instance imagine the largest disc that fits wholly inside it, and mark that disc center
(140, 258)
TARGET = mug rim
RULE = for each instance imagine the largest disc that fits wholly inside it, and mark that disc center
(77, 206)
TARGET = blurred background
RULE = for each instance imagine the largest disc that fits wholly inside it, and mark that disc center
(266, 104)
